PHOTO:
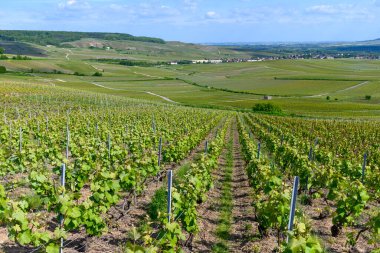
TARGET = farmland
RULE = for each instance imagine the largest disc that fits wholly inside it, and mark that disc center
(116, 152)
(322, 88)
(88, 148)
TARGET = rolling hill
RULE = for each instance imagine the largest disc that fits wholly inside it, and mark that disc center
(117, 45)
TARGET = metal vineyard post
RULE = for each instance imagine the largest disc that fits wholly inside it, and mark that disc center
(293, 206)
(61, 218)
(258, 150)
(170, 182)
(363, 166)
(159, 151)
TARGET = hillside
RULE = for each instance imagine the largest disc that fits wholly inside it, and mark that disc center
(113, 45)
(314, 87)
(170, 51)
(57, 38)
(126, 46)
(14, 47)
(368, 42)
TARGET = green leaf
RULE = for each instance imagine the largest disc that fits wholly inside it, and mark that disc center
(52, 248)
(24, 238)
(74, 212)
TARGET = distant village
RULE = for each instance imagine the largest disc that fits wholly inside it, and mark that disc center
(289, 57)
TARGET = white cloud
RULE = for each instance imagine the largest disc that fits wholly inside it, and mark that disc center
(74, 4)
(116, 7)
(142, 13)
(211, 15)
(316, 14)
(323, 9)
(341, 12)
(71, 2)
(188, 13)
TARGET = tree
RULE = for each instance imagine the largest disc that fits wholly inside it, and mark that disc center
(2, 50)
(368, 97)
(267, 108)
(2, 69)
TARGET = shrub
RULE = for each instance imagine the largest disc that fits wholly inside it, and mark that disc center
(97, 74)
(34, 201)
(267, 108)
(78, 74)
(158, 204)
(328, 97)
(19, 57)
(2, 69)
(368, 97)
(57, 71)
(184, 62)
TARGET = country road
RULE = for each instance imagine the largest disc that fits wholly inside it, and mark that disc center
(164, 98)
(147, 92)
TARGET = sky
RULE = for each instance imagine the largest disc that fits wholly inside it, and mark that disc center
(202, 21)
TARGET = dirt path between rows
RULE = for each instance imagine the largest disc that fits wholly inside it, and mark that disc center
(209, 211)
(242, 227)
(242, 212)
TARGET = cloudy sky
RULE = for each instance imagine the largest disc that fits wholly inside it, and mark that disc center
(202, 20)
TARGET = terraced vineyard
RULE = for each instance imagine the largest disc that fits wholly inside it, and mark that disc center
(83, 172)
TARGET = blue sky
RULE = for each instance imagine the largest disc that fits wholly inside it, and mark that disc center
(202, 20)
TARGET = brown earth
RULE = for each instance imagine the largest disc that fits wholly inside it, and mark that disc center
(209, 210)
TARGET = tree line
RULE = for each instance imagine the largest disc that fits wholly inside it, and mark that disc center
(57, 38)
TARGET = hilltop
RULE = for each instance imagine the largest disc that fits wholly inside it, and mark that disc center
(37, 43)
(58, 38)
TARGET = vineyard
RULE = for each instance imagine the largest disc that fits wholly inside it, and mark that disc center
(90, 172)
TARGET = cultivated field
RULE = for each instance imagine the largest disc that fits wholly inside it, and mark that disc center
(98, 156)
(298, 86)
(233, 177)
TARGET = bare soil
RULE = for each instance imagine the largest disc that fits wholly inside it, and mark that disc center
(321, 227)
(209, 210)
(242, 212)
(243, 227)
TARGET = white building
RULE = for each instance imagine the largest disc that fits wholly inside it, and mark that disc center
(207, 61)
(267, 97)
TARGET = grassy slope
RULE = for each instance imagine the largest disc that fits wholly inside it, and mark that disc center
(294, 78)
(170, 51)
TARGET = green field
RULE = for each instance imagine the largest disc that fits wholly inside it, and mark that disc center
(299, 87)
